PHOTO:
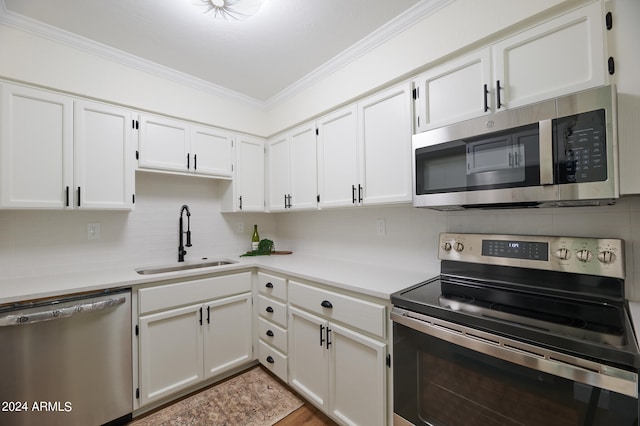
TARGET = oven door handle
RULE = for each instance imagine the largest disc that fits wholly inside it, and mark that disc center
(534, 357)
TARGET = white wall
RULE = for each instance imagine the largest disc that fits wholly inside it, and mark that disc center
(412, 234)
(42, 242)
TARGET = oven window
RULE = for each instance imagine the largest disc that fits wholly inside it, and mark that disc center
(440, 383)
(498, 160)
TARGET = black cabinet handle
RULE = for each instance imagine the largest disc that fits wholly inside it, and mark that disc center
(269, 285)
(359, 193)
(321, 334)
(195, 161)
(269, 309)
(78, 196)
(208, 314)
(200, 316)
(270, 359)
(240, 202)
(328, 340)
(67, 196)
(188, 162)
(498, 90)
(326, 304)
(611, 65)
(269, 333)
(353, 194)
(285, 201)
(486, 98)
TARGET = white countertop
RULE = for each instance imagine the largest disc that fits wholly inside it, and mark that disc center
(371, 280)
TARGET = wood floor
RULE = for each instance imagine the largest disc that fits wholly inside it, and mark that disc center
(307, 415)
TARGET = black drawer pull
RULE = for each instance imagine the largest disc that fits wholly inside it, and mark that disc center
(268, 285)
(269, 309)
(270, 359)
(326, 304)
(269, 333)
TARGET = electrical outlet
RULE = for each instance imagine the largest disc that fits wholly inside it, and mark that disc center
(93, 231)
(381, 227)
(240, 227)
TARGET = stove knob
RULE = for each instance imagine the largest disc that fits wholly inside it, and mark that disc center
(606, 257)
(563, 253)
(584, 255)
(446, 246)
(458, 246)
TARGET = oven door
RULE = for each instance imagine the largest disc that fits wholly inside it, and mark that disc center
(448, 374)
(505, 158)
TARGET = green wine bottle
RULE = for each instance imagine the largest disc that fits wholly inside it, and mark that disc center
(255, 238)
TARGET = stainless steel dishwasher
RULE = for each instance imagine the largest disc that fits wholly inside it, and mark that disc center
(67, 361)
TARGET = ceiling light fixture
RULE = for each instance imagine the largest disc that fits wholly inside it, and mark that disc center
(230, 10)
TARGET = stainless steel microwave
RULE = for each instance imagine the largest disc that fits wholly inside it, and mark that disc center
(560, 152)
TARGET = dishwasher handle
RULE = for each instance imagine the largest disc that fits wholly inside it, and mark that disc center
(58, 313)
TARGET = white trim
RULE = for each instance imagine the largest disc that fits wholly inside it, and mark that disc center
(378, 37)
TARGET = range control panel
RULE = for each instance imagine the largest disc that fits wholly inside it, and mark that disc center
(594, 256)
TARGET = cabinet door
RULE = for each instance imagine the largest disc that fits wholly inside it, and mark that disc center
(36, 148)
(211, 152)
(454, 91)
(278, 172)
(303, 179)
(164, 144)
(561, 56)
(104, 168)
(338, 158)
(357, 378)
(308, 356)
(385, 146)
(170, 352)
(250, 174)
(228, 333)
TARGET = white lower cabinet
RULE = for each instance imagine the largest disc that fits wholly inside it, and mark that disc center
(192, 331)
(272, 323)
(340, 370)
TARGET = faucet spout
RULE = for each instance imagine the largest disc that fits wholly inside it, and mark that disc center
(181, 232)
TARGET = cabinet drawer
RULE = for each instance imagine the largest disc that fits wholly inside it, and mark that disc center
(272, 286)
(272, 334)
(362, 314)
(273, 360)
(170, 295)
(272, 310)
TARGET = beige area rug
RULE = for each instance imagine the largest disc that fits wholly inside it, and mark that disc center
(252, 398)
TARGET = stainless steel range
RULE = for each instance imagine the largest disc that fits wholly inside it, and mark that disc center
(517, 330)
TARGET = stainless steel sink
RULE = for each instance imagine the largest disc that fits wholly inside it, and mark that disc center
(184, 266)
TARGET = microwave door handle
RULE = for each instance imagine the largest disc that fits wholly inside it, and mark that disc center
(546, 152)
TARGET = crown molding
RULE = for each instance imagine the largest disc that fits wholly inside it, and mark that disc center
(375, 39)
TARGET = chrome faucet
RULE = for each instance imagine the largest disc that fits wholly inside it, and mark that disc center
(181, 250)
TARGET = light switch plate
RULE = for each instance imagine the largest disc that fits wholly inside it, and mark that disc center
(93, 231)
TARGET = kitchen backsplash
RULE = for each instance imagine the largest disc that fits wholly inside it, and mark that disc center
(40, 242)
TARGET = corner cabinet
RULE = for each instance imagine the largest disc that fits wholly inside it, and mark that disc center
(191, 331)
(245, 193)
(561, 56)
(292, 170)
(177, 146)
(58, 152)
(337, 353)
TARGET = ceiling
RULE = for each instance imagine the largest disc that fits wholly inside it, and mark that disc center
(282, 48)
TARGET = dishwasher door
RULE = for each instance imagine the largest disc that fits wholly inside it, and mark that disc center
(67, 361)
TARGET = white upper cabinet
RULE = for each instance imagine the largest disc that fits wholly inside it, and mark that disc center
(338, 158)
(454, 91)
(246, 191)
(36, 148)
(104, 157)
(177, 146)
(561, 56)
(211, 152)
(292, 170)
(55, 158)
(384, 122)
